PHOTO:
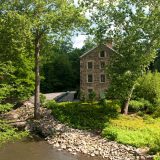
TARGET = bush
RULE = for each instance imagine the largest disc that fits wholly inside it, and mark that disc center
(5, 107)
(156, 113)
(140, 105)
(8, 133)
(157, 157)
(111, 106)
(42, 99)
(51, 104)
(81, 115)
(91, 97)
(148, 88)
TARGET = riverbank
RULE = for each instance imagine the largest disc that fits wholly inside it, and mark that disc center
(75, 141)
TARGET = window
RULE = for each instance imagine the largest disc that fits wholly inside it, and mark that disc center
(102, 78)
(90, 78)
(90, 65)
(102, 65)
(90, 90)
(102, 54)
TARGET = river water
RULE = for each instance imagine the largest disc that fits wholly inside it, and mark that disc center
(37, 150)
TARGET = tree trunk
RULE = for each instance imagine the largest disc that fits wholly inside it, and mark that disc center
(124, 109)
(37, 79)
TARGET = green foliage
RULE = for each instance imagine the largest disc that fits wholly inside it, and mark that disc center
(80, 115)
(62, 79)
(51, 104)
(63, 61)
(156, 113)
(112, 107)
(91, 96)
(149, 87)
(136, 131)
(42, 99)
(83, 97)
(148, 90)
(140, 105)
(135, 39)
(5, 107)
(8, 133)
(16, 58)
(157, 157)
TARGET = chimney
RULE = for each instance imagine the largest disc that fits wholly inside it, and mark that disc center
(109, 44)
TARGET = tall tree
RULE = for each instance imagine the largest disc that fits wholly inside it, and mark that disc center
(133, 27)
(45, 17)
(15, 52)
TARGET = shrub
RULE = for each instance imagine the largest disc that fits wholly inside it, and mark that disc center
(91, 96)
(157, 157)
(111, 106)
(50, 104)
(5, 107)
(82, 96)
(156, 113)
(148, 88)
(140, 105)
(42, 99)
(81, 115)
(8, 133)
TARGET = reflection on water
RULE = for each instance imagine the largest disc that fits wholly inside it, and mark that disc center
(36, 150)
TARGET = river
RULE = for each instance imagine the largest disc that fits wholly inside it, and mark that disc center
(37, 150)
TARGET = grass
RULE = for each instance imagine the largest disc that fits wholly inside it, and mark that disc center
(135, 131)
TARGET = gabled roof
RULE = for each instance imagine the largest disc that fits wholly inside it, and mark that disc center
(86, 53)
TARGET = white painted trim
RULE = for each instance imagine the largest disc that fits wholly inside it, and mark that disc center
(97, 47)
(100, 64)
(88, 52)
(100, 78)
(104, 54)
(89, 88)
(92, 64)
(92, 77)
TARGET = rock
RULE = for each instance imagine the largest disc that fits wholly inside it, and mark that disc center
(92, 154)
(70, 150)
(74, 153)
(63, 146)
(56, 145)
(142, 151)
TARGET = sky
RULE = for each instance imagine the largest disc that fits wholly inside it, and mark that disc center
(78, 41)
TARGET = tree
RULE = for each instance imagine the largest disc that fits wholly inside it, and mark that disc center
(133, 27)
(15, 55)
(53, 18)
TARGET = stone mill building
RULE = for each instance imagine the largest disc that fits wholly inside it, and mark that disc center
(92, 70)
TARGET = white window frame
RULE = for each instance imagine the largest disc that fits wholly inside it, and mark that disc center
(104, 54)
(92, 64)
(92, 78)
(101, 79)
(91, 89)
(100, 65)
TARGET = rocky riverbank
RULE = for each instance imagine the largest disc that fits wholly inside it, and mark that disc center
(62, 137)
